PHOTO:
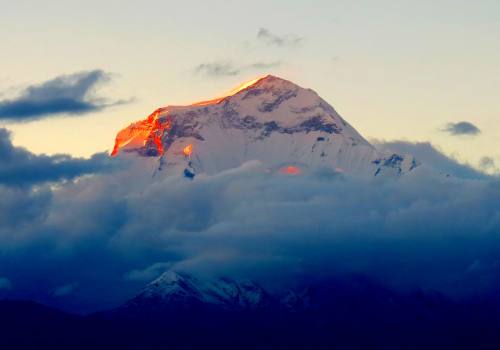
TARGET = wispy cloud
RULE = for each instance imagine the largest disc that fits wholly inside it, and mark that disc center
(227, 68)
(462, 128)
(269, 38)
(265, 65)
(72, 94)
(217, 69)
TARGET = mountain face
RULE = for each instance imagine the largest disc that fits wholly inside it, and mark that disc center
(348, 312)
(173, 291)
(287, 128)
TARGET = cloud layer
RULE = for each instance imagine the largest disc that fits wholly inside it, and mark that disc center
(120, 230)
(66, 94)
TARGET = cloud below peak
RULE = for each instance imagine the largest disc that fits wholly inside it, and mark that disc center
(121, 230)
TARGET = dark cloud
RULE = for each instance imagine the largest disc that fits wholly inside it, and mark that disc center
(462, 128)
(66, 94)
(431, 157)
(19, 167)
(270, 38)
(27, 182)
(118, 231)
(23, 206)
(222, 69)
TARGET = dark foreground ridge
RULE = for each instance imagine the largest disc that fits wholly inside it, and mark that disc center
(352, 314)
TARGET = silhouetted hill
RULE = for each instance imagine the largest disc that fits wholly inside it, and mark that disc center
(352, 313)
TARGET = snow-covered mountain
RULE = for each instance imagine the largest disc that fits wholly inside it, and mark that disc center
(287, 128)
(175, 293)
(173, 290)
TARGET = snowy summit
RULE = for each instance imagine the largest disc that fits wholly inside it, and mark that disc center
(289, 129)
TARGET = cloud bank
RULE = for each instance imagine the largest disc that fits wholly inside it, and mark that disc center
(72, 94)
(120, 230)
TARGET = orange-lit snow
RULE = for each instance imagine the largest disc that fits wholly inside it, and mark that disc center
(153, 128)
(291, 170)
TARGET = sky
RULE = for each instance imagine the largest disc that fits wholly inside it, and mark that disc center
(422, 71)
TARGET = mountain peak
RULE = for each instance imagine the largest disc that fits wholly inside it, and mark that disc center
(268, 80)
(173, 289)
(268, 119)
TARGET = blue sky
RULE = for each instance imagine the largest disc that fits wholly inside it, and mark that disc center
(393, 69)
